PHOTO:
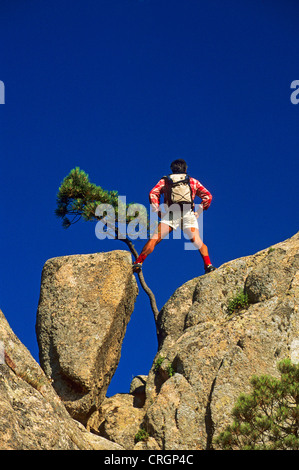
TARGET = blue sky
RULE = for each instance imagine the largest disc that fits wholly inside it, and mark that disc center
(121, 88)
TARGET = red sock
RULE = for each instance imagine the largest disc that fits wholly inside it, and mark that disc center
(206, 260)
(140, 259)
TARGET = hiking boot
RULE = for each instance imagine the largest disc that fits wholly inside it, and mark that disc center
(137, 267)
(209, 269)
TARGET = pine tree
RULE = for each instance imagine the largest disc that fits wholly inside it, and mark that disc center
(78, 198)
(268, 418)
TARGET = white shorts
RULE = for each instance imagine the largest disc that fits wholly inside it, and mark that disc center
(181, 220)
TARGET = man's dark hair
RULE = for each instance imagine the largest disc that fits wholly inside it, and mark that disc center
(178, 166)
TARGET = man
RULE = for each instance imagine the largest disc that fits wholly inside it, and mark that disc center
(179, 192)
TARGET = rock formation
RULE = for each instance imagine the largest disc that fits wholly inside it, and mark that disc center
(207, 354)
(212, 353)
(32, 416)
(86, 302)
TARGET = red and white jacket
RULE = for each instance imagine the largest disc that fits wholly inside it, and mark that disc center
(196, 187)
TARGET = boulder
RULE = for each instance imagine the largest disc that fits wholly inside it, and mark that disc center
(119, 419)
(174, 417)
(32, 416)
(85, 304)
(208, 355)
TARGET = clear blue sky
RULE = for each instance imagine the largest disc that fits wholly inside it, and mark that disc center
(121, 88)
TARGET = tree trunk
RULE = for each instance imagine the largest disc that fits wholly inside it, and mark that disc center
(144, 285)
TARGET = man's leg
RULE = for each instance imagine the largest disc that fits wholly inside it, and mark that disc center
(193, 234)
(162, 231)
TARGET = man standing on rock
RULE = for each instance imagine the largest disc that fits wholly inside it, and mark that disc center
(179, 191)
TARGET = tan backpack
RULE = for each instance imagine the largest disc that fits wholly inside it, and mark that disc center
(178, 189)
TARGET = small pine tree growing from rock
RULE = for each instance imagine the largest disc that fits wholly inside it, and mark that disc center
(78, 198)
(268, 418)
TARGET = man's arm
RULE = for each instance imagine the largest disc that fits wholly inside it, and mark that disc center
(202, 192)
(155, 194)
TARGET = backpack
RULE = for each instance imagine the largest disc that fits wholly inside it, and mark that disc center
(178, 189)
